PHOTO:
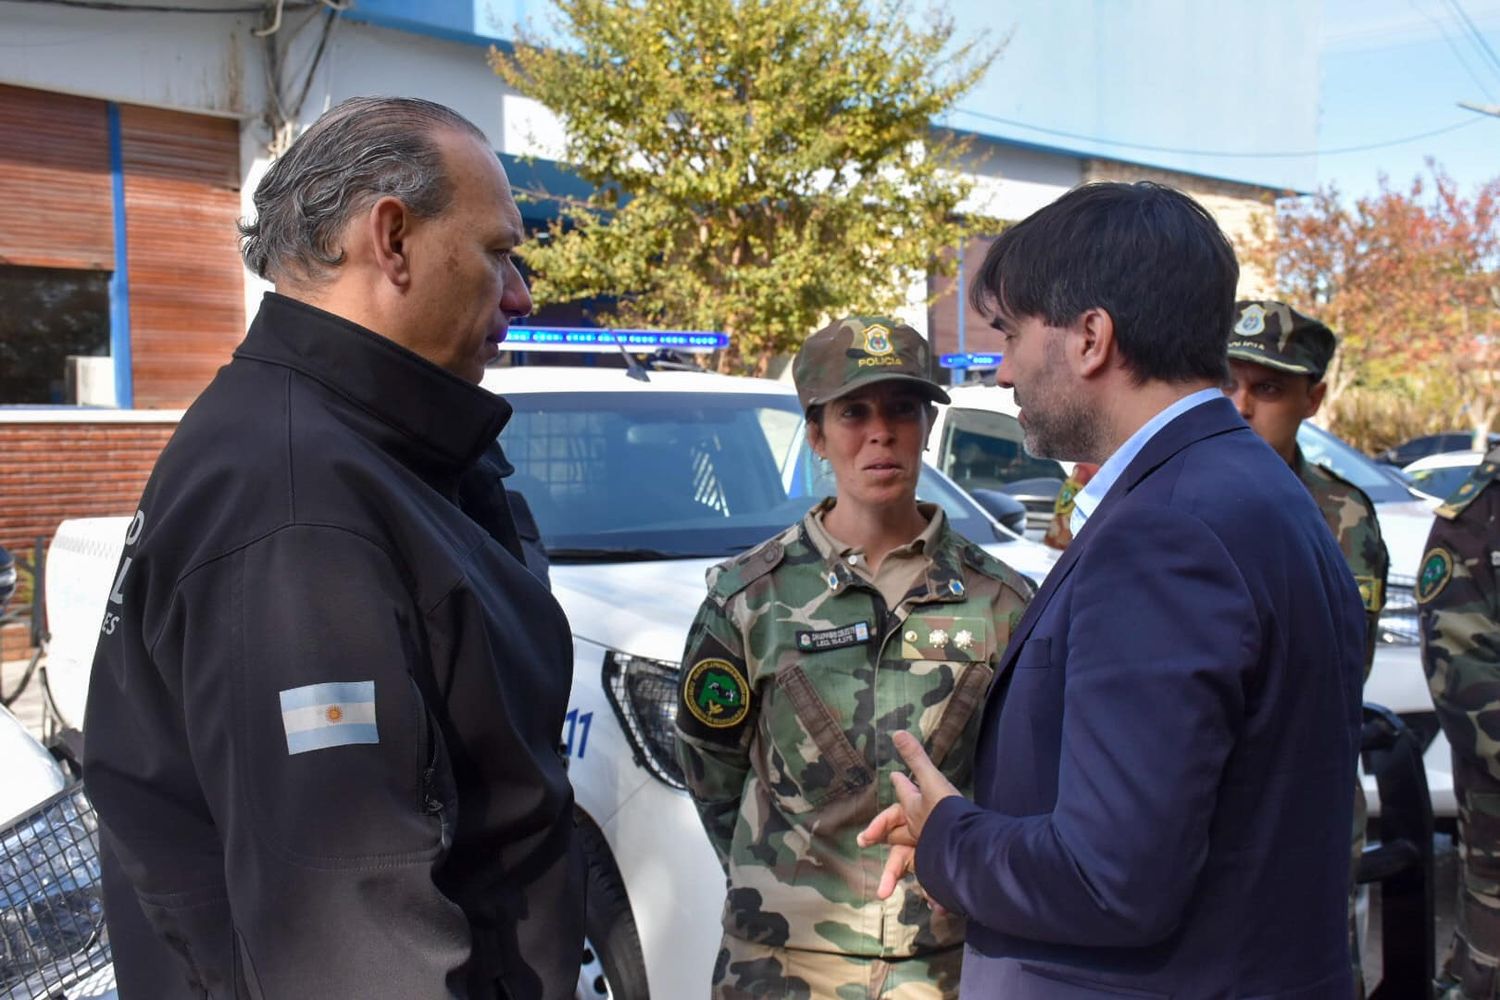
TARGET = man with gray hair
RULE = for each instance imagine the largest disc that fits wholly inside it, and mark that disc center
(324, 710)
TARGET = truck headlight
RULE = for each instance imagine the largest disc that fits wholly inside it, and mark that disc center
(644, 695)
(1398, 622)
(51, 911)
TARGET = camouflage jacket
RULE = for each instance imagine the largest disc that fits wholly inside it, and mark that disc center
(1351, 517)
(794, 678)
(1460, 614)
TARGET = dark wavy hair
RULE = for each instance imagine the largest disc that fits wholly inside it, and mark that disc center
(1151, 257)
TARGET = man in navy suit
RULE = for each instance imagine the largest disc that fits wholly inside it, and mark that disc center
(1162, 776)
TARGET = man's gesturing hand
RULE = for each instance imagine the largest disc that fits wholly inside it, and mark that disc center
(900, 825)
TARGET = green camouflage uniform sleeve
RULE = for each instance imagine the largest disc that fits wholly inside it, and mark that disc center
(1460, 615)
(715, 722)
(1350, 515)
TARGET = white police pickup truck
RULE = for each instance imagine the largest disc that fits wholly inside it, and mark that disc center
(637, 487)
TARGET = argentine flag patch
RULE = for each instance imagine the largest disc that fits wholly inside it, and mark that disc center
(320, 716)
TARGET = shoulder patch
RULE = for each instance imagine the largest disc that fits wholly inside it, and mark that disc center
(713, 700)
(1484, 474)
(1436, 571)
(716, 694)
(1371, 592)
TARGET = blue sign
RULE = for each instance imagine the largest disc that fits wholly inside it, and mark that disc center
(970, 360)
(560, 338)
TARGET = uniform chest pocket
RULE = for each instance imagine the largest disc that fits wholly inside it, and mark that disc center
(953, 638)
(810, 760)
(947, 674)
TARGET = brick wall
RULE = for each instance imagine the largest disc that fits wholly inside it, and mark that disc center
(49, 472)
(53, 471)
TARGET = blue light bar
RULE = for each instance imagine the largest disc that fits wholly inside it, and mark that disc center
(587, 341)
(970, 360)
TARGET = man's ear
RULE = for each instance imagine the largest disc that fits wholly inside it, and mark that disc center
(387, 227)
(1315, 394)
(1091, 340)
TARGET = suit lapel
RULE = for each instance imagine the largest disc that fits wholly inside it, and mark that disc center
(1204, 421)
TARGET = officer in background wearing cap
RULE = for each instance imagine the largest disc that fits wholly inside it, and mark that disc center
(868, 616)
(1459, 606)
(1277, 358)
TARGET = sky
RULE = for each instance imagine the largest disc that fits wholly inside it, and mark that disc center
(1163, 82)
(1397, 68)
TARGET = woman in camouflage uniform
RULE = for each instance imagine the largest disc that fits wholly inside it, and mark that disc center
(867, 617)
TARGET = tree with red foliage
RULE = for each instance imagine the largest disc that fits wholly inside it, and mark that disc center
(1410, 280)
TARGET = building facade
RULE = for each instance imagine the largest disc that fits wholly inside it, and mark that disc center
(130, 140)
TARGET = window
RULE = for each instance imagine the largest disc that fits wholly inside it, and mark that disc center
(688, 474)
(54, 337)
(982, 449)
(1322, 448)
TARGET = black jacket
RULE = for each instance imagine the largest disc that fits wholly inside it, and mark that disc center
(330, 512)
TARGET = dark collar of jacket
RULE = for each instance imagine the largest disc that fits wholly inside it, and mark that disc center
(1206, 420)
(433, 416)
(1210, 419)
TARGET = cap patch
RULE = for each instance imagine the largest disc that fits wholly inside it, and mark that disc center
(1252, 321)
(878, 339)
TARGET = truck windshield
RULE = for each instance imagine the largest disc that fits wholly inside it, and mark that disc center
(612, 476)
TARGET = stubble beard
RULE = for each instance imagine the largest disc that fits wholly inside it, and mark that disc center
(1065, 432)
(1062, 427)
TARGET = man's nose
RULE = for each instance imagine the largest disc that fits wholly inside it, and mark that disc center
(1240, 397)
(1002, 375)
(515, 297)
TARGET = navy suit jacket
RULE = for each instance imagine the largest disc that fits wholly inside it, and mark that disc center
(1165, 769)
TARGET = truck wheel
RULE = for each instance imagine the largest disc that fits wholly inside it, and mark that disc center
(613, 966)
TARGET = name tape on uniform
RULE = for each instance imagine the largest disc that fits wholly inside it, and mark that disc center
(834, 638)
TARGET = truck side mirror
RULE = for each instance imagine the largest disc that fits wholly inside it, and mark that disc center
(1004, 508)
(7, 578)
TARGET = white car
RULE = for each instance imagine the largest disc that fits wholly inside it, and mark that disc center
(1438, 477)
(637, 487)
(978, 439)
(978, 443)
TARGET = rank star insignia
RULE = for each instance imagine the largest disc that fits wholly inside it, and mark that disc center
(963, 639)
(937, 637)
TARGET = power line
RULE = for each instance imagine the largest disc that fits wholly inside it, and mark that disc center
(1476, 34)
(1458, 53)
(1227, 154)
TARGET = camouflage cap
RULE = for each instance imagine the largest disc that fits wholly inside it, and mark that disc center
(1277, 336)
(857, 351)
